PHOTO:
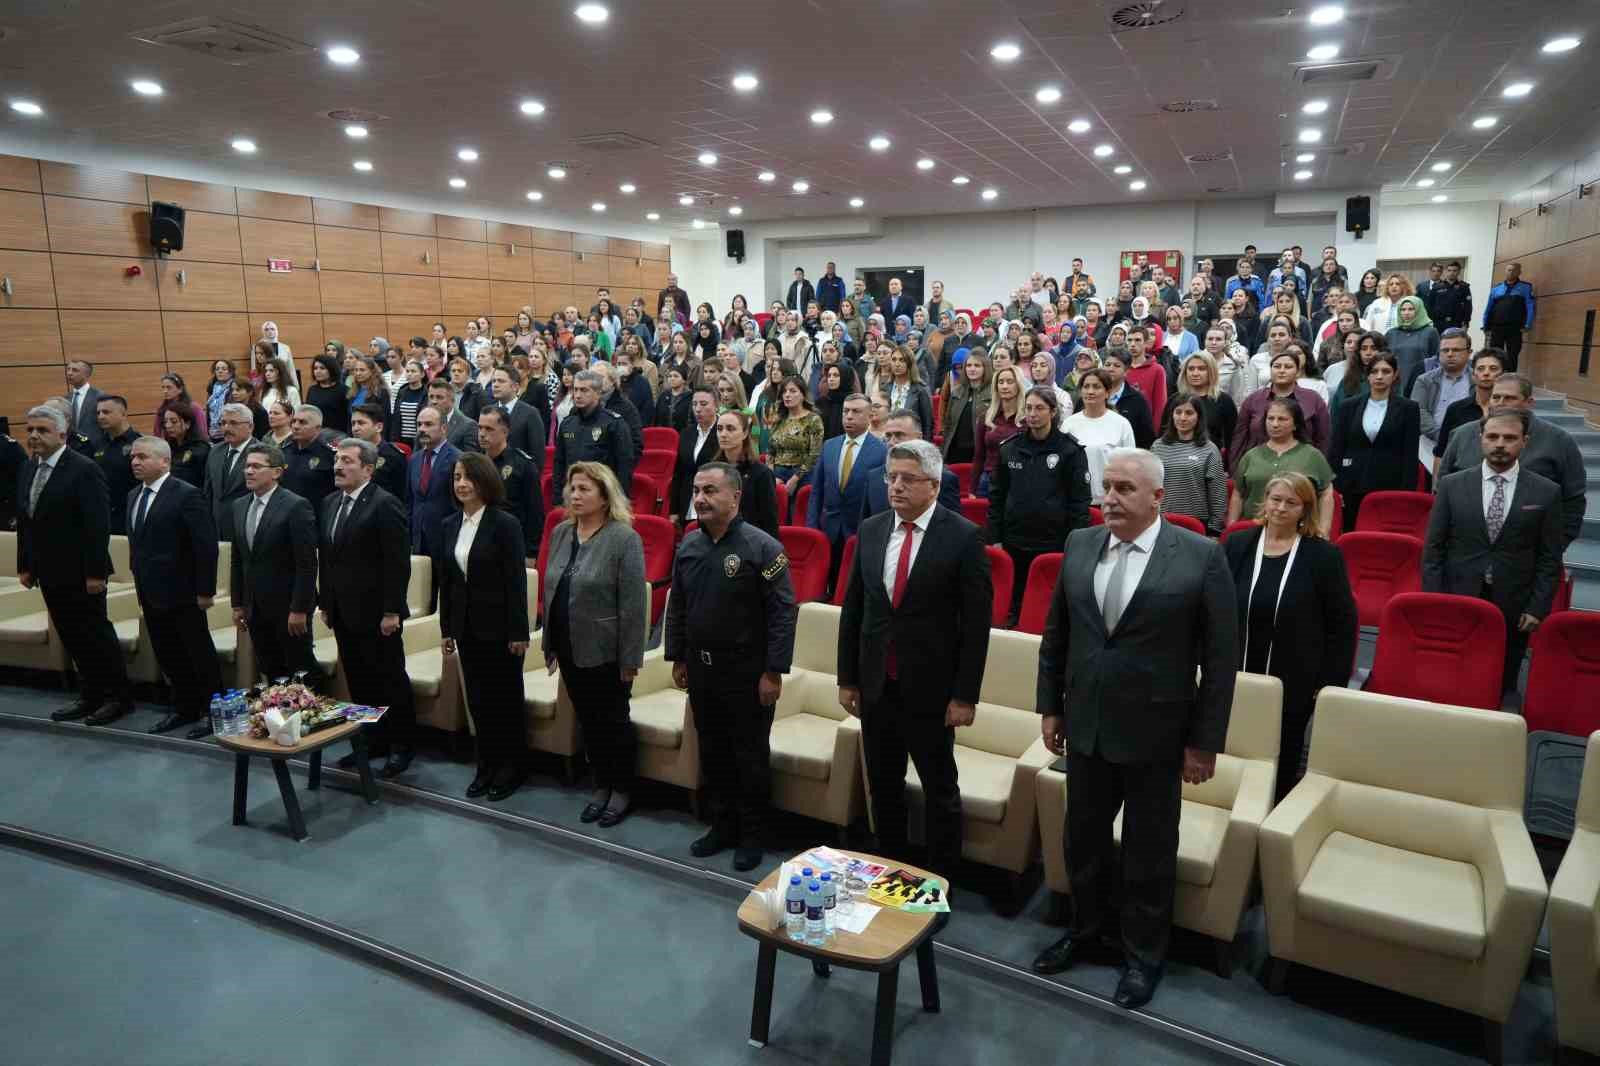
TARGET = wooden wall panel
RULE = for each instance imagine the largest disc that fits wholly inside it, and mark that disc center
(95, 227)
(274, 205)
(590, 270)
(26, 386)
(552, 298)
(461, 229)
(401, 328)
(403, 254)
(208, 238)
(652, 278)
(354, 330)
(139, 383)
(514, 265)
(263, 239)
(554, 267)
(32, 282)
(462, 259)
(353, 293)
(409, 295)
(343, 213)
(554, 239)
(204, 286)
(622, 296)
(466, 296)
(349, 249)
(28, 338)
(301, 332)
(204, 336)
(505, 233)
(19, 172)
(506, 298)
(297, 290)
(624, 273)
(92, 281)
(94, 183)
(194, 195)
(22, 221)
(395, 220)
(626, 249)
(112, 337)
(659, 252)
(590, 242)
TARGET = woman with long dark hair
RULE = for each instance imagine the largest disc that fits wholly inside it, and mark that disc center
(218, 389)
(328, 395)
(189, 449)
(174, 391)
(736, 444)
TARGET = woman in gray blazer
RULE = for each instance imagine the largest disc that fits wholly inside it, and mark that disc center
(595, 607)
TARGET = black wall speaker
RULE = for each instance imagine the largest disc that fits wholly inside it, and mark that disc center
(166, 227)
(1358, 215)
(736, 244)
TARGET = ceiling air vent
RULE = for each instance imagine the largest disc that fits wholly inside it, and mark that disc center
(231, 42)
(1211, 157)
(1144, 15)
(1219, 188)
(1339, 73)
(614, 141)
(1188, 107)
(355, 114)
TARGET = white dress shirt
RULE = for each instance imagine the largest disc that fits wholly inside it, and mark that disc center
(354, 496)
(897, 537)
(257, 501)
(469, 533)
(155, 490)
(1372, 417)
(700, 437)
(1488, 487)
(1134, 572)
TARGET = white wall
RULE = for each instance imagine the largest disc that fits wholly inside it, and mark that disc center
(1448, 230)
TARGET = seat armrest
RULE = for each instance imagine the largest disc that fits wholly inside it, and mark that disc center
(18, 603)
(122, 605)
(220, 614)
(1036, 757)
(1514, 888)
(421, 634)
(1575, 916)
(655, 674)
(1254, 799)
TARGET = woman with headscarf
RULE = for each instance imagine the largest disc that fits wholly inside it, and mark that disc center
(1235, 375)
(1142, 317)
(902, 328)
(1413, 340)
(1180, 342)
(747, 344)
(1041, 374)
(1066, 352)
(1083, 361)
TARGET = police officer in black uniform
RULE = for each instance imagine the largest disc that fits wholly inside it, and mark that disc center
(592, 434)
(13, 457)
(519, 471)
(730, 639)
(308, 462)
(366, 422)
(115, 456)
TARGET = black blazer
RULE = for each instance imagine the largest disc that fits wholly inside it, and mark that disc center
(941, 628)
(1136, 409)
(805, 290)
(689, 461)
(1390, 461)
(174, 550)
(490, 603)
(67, 539)
(276, 576)
(365, 570)
(1525, 559)
(758, 500)
(1314, 640)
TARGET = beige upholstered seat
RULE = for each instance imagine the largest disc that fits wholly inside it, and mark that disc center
(669, 747)
(1218, 825)
(1406, 866)
(26, 637)
(815, 745)
(1575, 920)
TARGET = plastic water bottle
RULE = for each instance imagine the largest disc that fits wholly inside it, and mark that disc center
(228, 713)
(830, 900)
(216, 713)
(795, 910)
(816, 934)
(241, 713)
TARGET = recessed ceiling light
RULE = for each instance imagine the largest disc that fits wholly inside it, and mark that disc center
(26, 107)
(699, 223)
(1439, 198)
(1310, 136)
(960, 179)
(1485, 122)
(1560, 44)
(594, 14)
(745, 82)
(1326, 15)
(1122, 168)
(597, 206)
(1517, 88)
(458, 183)
(767, 176)
(1426, 183)
(880, 143)
(707, 159)
(1078, 125)
(343, 55)
(535, 195)
(1323, 51)
(1302, 175)
(362, 165)
(856, 201)
(556, 173)
(1305, 157)
(355, 132)
(1103, 150)
(145, 87)
(821, 118)
(531, 107)
(1440, 167)
(801, 186)
(1048, 94)
(735, 210)
(1136, 186)
(240, 144)
(685, 201)
(990, 194)
(467, 155)
(924, 164)
(1005, 51)
(628, 188)
(1314, 107)
(653, 216)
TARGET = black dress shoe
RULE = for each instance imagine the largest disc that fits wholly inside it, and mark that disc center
(81, 709)
(1063, 954)
(109, 713)
(611, 816)
(591, 813)
(480, 783)
(169, 723)
(201, 731)
(1138, 984)
(708, 845)
(398, 764)
(745, 859)
(505, 785)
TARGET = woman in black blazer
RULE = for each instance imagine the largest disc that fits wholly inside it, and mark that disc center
(483, 615)
(1297, 617)
(1380, 452)
(758, 499)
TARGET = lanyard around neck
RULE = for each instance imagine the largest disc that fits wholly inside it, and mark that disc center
(1283, 579)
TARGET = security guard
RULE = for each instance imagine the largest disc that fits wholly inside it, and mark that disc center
(366, 422)
(519, 471)
(730, 639)
(308, 462)
(115, 456)
(592, 434)
(189, 461)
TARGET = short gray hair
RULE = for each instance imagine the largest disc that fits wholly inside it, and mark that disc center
(365, 451)
(155, 446)
(1147, 462)
(924, 453)
(310, 410)
(1524, 386)
(593, 378)
(1455, 331)
(54, 415)
(239, 410)
(906, 413)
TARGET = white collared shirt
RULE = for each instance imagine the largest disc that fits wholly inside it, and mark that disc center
(700, 438)
(1134, 573)
(154, 489)
(897, 536)
(1488, 487)
(469, 533)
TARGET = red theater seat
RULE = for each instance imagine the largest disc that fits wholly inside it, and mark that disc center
(552, 519)
(1446, 649)
(1042, 577)
(659, 465)
(644, 495)
(963, 473)
(1192, 524)
(664, 438)
(660, 540)
(976, 510)
(847, 558)
(802, 503)
(1380, 567)
(807, 550)
(1564, 679)
(1002, 572)
(1240, 526)
(1396, 512)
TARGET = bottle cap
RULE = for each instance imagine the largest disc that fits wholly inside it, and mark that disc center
(807, 873)
(815, 887)
(827, 877)
(794, 880)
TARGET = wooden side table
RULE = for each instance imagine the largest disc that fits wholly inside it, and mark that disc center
(311, 746)
(892, 936)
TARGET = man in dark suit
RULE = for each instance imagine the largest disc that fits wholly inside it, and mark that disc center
(225, 467)
(1495, 533)
(900, 426)
(830, 288)
(1140, 604)
(274, 579)
(895, 304)
(1128, 401)
(308, 470)
(459, 430)
(697, 446)
(912, 649)
(83, 401)
(113, 454)
(527, 432)
(801, 292)
(366, 422)
(365, 563)
(428, 478)
(172, 544)
(847, 464)
(63, 547)
(519, 474)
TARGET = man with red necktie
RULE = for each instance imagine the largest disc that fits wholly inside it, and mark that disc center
(430, 473)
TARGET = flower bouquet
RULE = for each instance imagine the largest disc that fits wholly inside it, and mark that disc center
(282, 705)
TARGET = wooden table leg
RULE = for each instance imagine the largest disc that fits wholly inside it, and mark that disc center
(883, 1022)
(928, 973)
(820, 968)
(369, 787)
(314, 770)
(291, 803)
(761, 1011)
(241, 785)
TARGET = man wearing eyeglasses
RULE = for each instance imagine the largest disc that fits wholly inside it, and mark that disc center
(225, 466)
(899, 426)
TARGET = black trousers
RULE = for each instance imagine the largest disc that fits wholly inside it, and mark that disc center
(1150, 797)
(735, 746)
(1352, 509)
(890, 732)
(1509, 340)
(1020, 562)
(600, 700)
(375, 671)
(80, 621)
(1516, 645)
(1291, 747)
(494, 692)
(278, 653)
(181, 640)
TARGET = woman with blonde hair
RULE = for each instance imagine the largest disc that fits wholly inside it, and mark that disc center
(1002, 422)
(1381, 314)
(1198, 380)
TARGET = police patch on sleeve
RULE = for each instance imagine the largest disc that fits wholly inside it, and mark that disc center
(776, 567)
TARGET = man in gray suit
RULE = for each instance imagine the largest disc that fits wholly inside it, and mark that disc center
(83, 400)
(274, 580)
(1495, 533)
(1140, 604)
(225, 467)
(458, 428)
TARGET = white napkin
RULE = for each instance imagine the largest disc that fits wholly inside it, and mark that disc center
(285, 731)
(773, 904)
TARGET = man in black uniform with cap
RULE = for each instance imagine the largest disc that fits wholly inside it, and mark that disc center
(592, 434)
(730, 639)
(366, 422)
(115, 456)
(519, 471)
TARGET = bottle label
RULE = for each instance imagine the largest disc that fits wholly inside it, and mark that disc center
(797, 906)
(814, 913)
